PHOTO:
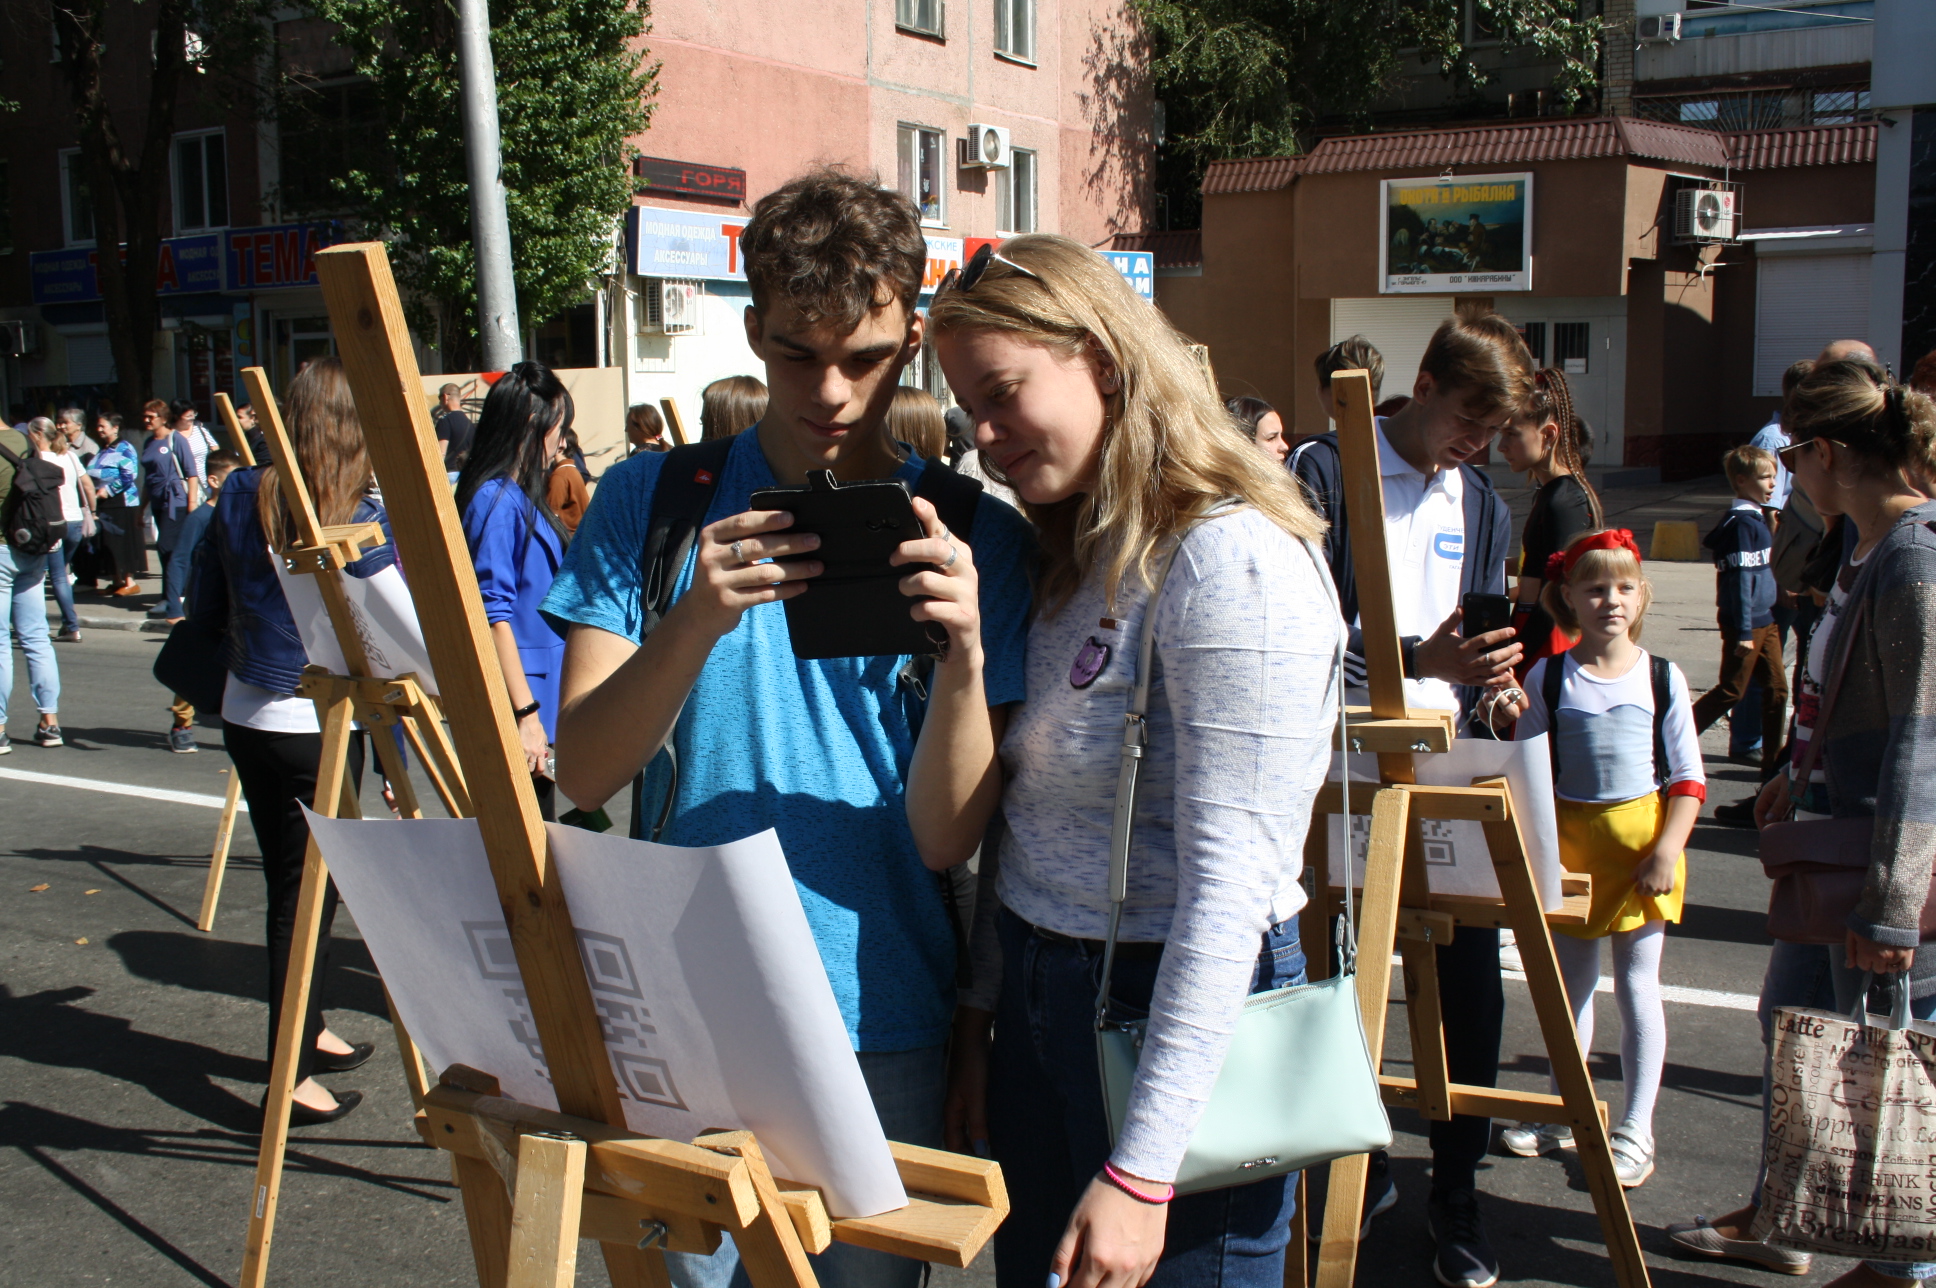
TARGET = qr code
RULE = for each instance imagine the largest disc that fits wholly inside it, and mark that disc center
(1436, 839)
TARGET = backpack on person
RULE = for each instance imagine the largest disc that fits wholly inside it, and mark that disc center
(1554, 678)
(31, 510)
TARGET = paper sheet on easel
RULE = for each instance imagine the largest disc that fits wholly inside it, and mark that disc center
(386, 619)
(1456, 858)
(716, 1009)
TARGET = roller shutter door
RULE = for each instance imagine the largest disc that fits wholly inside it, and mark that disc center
(1801, 303)
(1400, 326)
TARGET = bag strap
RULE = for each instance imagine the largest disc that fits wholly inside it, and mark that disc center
(684, 491)
(1136, 742)
(1551, 681)
(1663, 688)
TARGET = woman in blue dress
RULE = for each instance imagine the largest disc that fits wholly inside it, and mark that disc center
(516, 543)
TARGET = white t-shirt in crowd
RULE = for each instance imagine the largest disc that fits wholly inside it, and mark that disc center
(70, 467)
(1425, 543)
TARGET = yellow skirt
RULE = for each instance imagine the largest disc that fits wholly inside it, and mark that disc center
(1607, 842)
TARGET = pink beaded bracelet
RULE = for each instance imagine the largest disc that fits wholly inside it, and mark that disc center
(1121, 1182)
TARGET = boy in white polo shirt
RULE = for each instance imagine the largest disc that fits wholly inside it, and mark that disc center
(1447, 533)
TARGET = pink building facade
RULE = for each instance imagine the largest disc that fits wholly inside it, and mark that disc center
(1055, 92)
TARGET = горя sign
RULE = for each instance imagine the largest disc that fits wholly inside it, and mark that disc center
(656, 174)
(1471, 231)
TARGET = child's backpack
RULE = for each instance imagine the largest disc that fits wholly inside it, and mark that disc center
(1555, 675)
(32, 507)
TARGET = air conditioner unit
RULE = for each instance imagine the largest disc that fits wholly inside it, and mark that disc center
(986, 146)
(1706, 215)
(19, 338)
(680, 304)
(1658, 29)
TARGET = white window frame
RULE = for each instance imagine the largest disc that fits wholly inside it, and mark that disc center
(908, 16)
(175, 181)
(1006, 189)
(1015, 30)
(907, 149)
(69, 159)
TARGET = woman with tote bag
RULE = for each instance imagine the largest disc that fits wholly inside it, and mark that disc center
(1152, 517)
(1861, 787)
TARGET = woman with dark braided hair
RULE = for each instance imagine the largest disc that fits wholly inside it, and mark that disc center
(1544, 444)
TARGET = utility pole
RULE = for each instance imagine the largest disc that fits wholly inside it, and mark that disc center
(497, 292)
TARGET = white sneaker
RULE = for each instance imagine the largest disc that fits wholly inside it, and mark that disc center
(1509, 958)
(1530, 1140)
(1633, 1158)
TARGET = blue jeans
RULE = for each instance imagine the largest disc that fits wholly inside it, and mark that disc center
(20, 578)
(907, 1088)
(174, 561)
(57, 561)
(1046, 1124)
(1744, 722)
(1816, 976)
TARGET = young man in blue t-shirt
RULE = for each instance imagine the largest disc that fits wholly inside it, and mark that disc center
(862, 779)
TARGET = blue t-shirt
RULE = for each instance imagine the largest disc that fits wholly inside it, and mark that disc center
(817, 750)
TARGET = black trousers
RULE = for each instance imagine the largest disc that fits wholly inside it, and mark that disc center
(278, 775)
(1472, 998)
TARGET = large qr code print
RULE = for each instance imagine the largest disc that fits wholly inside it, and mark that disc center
(1437, 840)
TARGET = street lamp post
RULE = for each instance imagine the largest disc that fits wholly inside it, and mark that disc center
(497, 294)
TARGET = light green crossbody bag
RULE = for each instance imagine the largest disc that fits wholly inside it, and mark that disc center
(1297, 1085)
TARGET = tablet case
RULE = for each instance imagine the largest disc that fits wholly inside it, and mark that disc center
(855, 607)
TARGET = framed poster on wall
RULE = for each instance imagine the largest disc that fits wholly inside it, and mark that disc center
(1456, 234)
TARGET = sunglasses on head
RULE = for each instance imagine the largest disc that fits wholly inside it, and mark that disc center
(965, 277)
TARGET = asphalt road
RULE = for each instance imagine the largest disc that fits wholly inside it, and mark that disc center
(131, 1063)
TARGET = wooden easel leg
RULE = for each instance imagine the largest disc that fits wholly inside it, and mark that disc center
(331, 795)
(770, 1246)
(390, 757)
(441, 775)
(1377, 929)
(1297, 1253)
(432, 745)
(1543, 981)
(544, 1216)
(218, 861)
(487, 1215)
(1422, 1007)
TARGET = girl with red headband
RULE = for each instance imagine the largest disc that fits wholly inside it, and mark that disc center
(1628, 785)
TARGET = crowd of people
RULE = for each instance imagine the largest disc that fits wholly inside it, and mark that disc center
(1123, 497)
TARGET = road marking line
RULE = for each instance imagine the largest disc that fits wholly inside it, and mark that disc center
(120, 789)
(1668, 992)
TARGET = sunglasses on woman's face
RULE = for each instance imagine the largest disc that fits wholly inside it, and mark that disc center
(965, 277)
(1786, 455)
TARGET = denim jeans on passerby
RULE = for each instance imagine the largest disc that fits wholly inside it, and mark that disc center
(907, 1088)
(58, 560)
(174, 572)
(1817, 977)
(1047, 1128)
(20, 578)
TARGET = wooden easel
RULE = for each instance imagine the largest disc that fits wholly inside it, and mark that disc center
(637, 1195)
(382, 704)
(1398, 906)
(675, 423)
(218, 860)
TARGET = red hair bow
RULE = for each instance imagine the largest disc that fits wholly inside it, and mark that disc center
(1560, 566)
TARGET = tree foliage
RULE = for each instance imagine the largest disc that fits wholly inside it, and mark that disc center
(573, 86)
(1249, 78)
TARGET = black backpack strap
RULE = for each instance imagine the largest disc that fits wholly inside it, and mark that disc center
(687, 482)
(1663, 686)
(1551, 679)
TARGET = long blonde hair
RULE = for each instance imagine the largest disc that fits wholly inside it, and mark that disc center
(328, 438)
(1168, 455)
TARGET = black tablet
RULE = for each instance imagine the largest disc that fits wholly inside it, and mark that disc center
(855, 607)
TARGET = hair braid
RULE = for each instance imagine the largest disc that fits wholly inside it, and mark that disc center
(1554, 398)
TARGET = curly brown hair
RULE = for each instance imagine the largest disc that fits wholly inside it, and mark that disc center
(835, 246)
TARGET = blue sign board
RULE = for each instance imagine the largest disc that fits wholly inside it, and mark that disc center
(240, 259)
(1138, 268)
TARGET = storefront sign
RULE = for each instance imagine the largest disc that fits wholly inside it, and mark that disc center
(255, 259)
(690, 243)
(1468, 232)
(656, 174)
(1138, 268)
(281, 255)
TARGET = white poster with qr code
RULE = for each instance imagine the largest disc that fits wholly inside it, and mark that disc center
(716, 1010)
(1457, 860)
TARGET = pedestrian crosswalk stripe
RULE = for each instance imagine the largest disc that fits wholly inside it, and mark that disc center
(118, 789)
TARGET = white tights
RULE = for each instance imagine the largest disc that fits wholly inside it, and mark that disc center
(1643, 1021)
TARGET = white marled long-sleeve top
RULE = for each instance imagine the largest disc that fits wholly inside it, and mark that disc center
(1243, 709)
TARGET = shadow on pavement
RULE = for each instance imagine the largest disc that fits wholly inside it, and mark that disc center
(208, 965)
(1724, 925)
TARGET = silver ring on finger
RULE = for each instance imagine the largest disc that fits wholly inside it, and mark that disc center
(738, 553)
(954, 553)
